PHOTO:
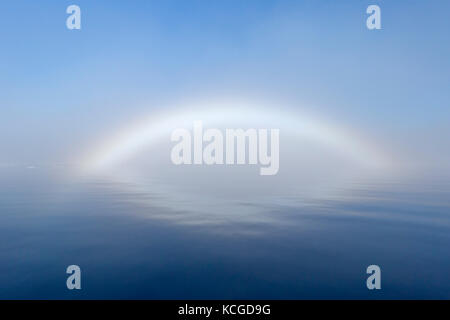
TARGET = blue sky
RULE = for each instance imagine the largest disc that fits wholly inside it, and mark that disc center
(61, 88)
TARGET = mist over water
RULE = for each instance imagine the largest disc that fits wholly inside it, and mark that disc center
(139, 240)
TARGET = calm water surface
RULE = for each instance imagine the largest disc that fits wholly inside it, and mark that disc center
(141, 242)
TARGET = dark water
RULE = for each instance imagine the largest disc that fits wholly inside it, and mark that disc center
(138, 245)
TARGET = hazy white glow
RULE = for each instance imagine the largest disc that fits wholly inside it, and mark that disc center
(135, 138)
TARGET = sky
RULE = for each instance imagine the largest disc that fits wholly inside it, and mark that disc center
(61, 89)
